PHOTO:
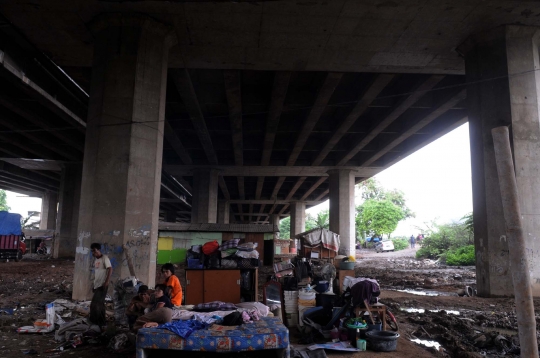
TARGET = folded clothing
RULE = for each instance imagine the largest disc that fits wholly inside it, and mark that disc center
(248, 254)
(230, 244)
(214, 306)
(228, 252)
(247, 246)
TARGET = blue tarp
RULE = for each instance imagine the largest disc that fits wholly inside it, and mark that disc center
(10, 223)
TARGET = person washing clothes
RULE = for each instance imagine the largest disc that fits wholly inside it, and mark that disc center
(172, 281)
(102, 276)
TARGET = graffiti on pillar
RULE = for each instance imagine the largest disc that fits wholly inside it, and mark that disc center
(499, 264)
(80, 249)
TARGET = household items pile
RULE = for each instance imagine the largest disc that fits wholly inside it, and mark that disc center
(318, 243)
(230, 254)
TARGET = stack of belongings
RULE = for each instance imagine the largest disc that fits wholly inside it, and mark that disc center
(291, 307)
(306, 300)
(194, 257)
(235, 255)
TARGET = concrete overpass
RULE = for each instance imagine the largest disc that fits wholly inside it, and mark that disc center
(219, 111)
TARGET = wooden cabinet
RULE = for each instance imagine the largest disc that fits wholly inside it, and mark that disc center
(220, 285)
(341, 276)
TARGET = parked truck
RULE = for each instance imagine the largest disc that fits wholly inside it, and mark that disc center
(12, 244)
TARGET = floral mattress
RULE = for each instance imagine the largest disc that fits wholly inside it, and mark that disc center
(268, 333)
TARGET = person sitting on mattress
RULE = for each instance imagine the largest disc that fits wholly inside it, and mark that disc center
(161, 311)
(138, 305)
(172, 280)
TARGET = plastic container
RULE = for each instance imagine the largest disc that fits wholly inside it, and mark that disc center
(322, 286)
(346, 265)
(361, 344)
(382, 341)
(194, 264)
(374, 327)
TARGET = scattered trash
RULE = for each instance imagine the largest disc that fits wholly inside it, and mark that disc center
(43, 325)
(429, 344)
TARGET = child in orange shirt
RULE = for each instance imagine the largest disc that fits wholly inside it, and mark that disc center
(171, 280)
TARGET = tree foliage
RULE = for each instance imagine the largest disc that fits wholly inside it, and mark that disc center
(3, 201)
(285, 228)
(321, 220)
(378, 217)
(381, 210)
(441, 239)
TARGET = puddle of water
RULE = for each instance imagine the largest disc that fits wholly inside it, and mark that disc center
(427, 343)
(420, 293)
(421, 310)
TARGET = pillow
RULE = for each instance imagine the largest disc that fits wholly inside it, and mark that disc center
(214, 306)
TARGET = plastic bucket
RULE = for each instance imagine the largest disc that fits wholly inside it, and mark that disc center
(382, 341)
(374, 327)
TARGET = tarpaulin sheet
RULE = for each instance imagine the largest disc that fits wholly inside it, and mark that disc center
(10, 223)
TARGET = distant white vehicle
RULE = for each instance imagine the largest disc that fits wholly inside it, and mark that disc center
(387, 245)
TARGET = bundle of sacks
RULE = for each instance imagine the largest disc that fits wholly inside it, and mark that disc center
(235, 255)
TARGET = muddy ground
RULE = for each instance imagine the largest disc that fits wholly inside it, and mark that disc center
(421, 294)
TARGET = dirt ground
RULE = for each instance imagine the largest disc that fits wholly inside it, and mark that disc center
(421, 294)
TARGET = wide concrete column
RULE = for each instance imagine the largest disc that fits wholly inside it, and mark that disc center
(205, 196)
(49, 204)
(122, 159)
(65, 240)
(342, 211)
(298, 219)
(224, 209)
(502, 69)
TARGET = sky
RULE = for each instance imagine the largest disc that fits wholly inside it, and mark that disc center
(436, 181)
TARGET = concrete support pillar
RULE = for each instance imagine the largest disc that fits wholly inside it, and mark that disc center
(122, 159)
(342, 211)
(502, 69)
(49, 204)
(205, 196)
(224, 209)
(170, 216)
(298, 219)
(65, 241)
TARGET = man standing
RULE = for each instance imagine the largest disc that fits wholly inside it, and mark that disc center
(102, 275)
(413, 241)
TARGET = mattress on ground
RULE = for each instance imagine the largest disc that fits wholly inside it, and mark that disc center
(268, 333)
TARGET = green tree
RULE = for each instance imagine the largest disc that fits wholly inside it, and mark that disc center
(468, 222)
(372, 189)
(378, 217)
(322, 220)
(285, 228)
(440, 239)
(3, 201)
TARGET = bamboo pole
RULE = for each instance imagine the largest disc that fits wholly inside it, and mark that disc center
(519, 264)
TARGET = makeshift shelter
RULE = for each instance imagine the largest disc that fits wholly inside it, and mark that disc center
(318, 243)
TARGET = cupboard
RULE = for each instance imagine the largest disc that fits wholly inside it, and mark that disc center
(226, 285)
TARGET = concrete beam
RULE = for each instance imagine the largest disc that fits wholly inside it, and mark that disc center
(323, 97)
(419, 125)
(281, 171)
(18, 107)
(267, 202)
(176, 144)
(11, 122)
(185, 88)
(395, 114)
